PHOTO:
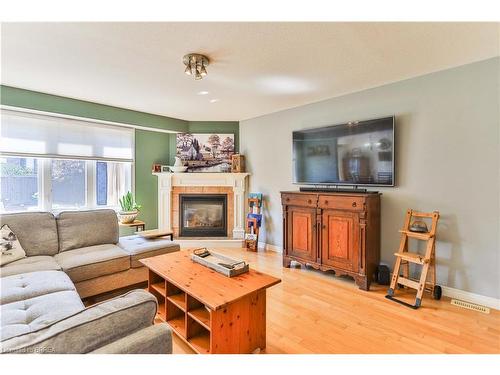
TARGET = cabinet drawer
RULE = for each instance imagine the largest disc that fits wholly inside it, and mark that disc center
(342, 203)
(303, 200)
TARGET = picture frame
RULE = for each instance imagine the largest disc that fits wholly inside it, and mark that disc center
(206, 152)
(156, 168)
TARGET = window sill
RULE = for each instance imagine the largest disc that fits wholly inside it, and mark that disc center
(58, 211)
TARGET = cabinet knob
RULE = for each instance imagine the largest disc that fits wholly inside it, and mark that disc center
(287, 199)
(354, 204)
(323, 226)
(309, 201)
(326, 202)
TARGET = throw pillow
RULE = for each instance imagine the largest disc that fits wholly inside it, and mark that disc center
(10, 246)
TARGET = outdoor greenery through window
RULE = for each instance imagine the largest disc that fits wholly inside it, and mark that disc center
(30, 184)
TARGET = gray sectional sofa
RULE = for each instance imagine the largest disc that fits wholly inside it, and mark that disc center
(72, 256)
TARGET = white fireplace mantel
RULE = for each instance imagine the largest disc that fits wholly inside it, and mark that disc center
(237, 181)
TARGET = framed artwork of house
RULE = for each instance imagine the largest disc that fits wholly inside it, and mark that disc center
(206, 152)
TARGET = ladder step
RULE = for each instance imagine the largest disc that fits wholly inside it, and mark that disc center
(412, 257)
(408, 282)
(418, 236)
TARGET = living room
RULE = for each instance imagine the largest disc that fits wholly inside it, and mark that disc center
(208, 187)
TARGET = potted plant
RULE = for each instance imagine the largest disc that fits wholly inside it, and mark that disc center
(130, 209)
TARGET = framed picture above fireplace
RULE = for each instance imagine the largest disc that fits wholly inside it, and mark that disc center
(206, 152)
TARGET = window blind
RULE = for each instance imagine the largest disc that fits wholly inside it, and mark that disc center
(57, 137)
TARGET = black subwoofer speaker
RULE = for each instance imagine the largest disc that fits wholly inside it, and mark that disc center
(383, 275)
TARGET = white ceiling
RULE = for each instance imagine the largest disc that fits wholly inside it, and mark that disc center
(256, 68)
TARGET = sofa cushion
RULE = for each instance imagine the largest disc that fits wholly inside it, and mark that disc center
(10, 246)
(139, 248)
(29, 285)
(91, 328)
(78, 229)
(93, 261)
(22, 317)
(30, 264)
(36, 231)
(156, 339)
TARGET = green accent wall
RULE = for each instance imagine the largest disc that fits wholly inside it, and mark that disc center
(16, 97)
(150, 146)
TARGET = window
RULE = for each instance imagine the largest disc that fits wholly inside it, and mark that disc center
(66, 184)
(19, 184)
(113, 180)
(69, 183)
(51, 163)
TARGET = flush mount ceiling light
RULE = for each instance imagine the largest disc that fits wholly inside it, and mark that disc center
(196, 65)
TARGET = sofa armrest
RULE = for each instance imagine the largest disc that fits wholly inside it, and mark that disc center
(90, 329)
(155, 339)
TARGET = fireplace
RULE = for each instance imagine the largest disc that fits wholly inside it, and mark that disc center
(203, 215)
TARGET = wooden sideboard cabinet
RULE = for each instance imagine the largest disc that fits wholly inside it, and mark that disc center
(333, 231)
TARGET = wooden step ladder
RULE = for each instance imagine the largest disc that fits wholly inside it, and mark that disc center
(427, 261)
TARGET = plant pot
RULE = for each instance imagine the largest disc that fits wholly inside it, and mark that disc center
(127, 217)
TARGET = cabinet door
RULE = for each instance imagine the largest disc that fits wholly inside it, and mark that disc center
(301, 231)
(340, 240)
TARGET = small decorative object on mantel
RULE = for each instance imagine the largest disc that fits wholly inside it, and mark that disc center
(178, 166)
(238, 163)
(129, 209)
(254, 221)
(156, 168)
(225, 265)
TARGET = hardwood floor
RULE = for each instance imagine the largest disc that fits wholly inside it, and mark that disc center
(316, 312)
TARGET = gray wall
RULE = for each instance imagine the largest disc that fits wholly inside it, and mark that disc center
(447, 155)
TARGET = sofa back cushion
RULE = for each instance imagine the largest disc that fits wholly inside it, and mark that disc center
(86, 228)
(36, 231)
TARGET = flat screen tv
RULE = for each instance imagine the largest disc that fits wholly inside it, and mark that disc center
(355, 153)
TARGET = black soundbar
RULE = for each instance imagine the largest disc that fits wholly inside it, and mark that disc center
(335, 190)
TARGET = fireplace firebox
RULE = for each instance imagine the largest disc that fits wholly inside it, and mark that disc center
(203, 215)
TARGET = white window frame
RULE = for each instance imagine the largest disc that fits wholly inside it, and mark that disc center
(44, 173)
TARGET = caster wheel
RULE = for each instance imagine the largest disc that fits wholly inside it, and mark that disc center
(437, 292)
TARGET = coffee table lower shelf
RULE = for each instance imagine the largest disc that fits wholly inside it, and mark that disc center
(238, 327)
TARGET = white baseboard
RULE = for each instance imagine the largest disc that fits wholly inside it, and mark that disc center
(184, 243)
(492, 303)
(266, 246)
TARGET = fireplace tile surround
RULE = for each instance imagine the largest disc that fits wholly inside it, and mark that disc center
(171, 185)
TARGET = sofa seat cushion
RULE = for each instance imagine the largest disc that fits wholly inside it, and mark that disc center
(22, 317)
(139, 248)
(79, 229)
(93, 261)
(90, 328)
(30, 264)
(36, 231)
(29, 285)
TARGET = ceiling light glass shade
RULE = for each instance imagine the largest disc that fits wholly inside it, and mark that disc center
(195, 65)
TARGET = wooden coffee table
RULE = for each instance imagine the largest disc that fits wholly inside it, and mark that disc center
(212, 313)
